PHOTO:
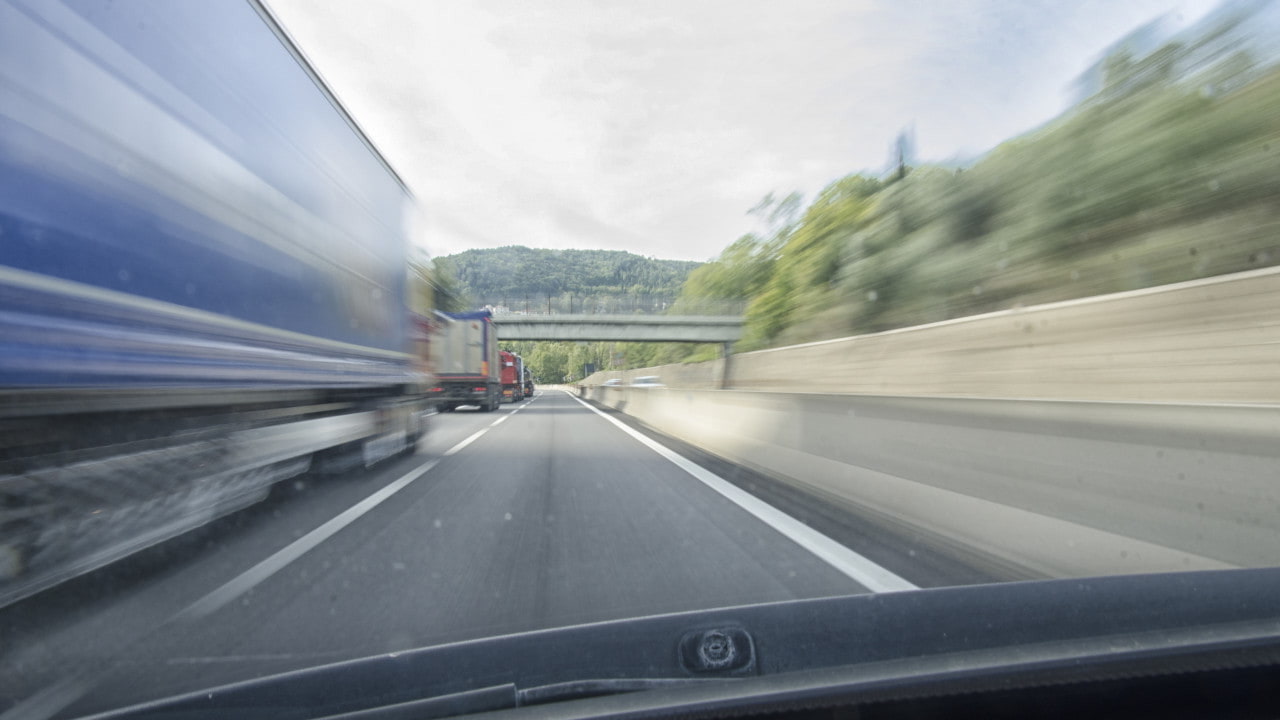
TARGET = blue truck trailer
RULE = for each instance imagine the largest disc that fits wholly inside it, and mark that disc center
(202, 278)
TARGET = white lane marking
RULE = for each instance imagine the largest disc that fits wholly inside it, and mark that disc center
(250, 578)
(512, 411)
(862, 570)
(474, 436)
(54, 698)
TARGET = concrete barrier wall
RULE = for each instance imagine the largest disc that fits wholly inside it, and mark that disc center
(1206, 341)
(1056, 489)
(703, 375)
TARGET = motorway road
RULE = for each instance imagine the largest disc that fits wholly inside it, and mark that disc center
(544, 514)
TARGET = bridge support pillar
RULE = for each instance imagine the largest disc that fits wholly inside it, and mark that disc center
(726, 351)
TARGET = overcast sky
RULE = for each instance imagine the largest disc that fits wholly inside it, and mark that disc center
(653, 125)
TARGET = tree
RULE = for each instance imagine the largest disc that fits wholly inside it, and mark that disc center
(549, 361)
(432, 286)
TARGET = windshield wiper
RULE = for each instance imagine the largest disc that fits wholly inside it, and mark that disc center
(1150, 622)
(581, 689)
(508, 696)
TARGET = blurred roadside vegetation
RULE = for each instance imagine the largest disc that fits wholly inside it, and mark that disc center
(432, 286)
(1153, 180)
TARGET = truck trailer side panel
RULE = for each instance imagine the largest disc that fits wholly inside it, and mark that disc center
(183, 214)
(202, 278)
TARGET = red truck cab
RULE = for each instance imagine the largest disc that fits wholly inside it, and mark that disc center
(511, 368)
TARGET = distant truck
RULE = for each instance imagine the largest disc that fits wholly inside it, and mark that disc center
(512, 376)
(464, 356)
(528, 382)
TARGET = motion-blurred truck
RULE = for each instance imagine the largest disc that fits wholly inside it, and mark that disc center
(464, 355)
(202, 279)
(528, 382)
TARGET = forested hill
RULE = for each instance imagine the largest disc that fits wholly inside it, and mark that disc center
(532, 280)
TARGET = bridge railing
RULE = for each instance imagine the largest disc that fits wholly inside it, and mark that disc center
(620, 328)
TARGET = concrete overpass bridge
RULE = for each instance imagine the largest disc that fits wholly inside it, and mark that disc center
(621, 328)
(626, 328)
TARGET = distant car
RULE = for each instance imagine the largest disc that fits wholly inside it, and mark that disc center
(652, 381)
(615, 382)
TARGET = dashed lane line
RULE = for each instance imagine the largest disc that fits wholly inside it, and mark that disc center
(54, 698)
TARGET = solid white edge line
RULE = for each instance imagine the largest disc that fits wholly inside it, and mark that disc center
(53, 699)
(862, 570)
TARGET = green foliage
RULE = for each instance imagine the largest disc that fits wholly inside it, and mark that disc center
(1155, 180)
(557, 362)
(433, 287)
(809, 258)
(600, 281)
(741, 271)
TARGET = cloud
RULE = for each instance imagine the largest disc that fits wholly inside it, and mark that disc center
(652, 127)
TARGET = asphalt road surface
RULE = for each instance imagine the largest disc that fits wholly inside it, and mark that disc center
(543, 514)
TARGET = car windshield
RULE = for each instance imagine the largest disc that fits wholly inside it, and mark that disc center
(337, 329)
